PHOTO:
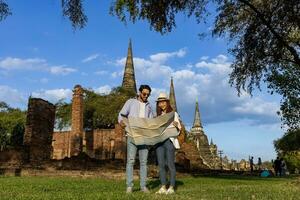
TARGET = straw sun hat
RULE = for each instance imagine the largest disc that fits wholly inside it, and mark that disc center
(162, 97)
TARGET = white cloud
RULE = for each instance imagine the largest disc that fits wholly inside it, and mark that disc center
(10, 63)
(117, 74)
(53, 95)
(204, 58)
(61, 70)
(11, 96)
(101, 72)
(218, 101)
(189, 66)
(38, 64)
(220, 65)
(154, 68)
(90, 58)
(103, 89)
(256, 106)
(163, 57)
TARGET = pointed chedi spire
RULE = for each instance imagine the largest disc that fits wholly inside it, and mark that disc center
(211, 142)
(129, 77)
(172, 96)
(197, 119)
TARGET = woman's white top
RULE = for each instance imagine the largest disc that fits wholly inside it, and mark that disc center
(174, 140)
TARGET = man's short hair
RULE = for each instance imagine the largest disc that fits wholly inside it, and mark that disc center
(145, 87)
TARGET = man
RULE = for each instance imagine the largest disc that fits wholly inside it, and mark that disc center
(138, 107)
(259, 163)
(277, 167)
(251, 164)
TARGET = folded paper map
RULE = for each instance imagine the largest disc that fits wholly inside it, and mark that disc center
(150, 131)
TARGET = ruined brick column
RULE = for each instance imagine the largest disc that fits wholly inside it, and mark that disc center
(76, 136)
(38, 130)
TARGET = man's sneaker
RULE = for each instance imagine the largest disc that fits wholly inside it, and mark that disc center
(162, 190)
(129, 190)
(170, 190)
(145, 190)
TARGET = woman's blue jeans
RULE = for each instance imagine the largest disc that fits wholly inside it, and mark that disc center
(165, 153)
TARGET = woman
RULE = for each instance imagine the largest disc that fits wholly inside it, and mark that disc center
(165, 151)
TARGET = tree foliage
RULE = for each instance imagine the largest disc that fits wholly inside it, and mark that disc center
(73, 9)
(267, 43)
(288, 147)
(4, 10)
(62, 115)
(160, 14)
(12, 126)
(100, 111)
(289, 142)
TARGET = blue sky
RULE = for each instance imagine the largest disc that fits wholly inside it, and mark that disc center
(41, 55)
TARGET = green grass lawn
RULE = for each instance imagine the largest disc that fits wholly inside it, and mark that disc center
(201, 187)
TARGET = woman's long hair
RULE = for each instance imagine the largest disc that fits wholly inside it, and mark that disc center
(159, 110)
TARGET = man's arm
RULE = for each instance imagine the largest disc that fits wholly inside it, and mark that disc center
(124, 112)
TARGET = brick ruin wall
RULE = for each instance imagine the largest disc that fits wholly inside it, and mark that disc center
(39, 130)
(12, 158)
(60, 144)
(41, 143)
(101, 144)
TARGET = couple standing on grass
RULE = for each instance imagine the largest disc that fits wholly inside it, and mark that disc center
(139, 107)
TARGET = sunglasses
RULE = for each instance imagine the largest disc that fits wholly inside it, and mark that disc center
(145, 94)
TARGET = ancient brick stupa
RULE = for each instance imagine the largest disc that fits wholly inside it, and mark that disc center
(129, 77)
(208, 152)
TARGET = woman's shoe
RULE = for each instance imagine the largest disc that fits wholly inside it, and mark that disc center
(162, 190)
(170, 190)
(129, 190)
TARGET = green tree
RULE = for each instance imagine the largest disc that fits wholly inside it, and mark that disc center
(266, 35)
(4, 138)
(62, 115)
(288, 147)
(289, 142)
(12, 126)
(100, 111)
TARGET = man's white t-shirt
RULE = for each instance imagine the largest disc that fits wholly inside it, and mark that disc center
(142, 109)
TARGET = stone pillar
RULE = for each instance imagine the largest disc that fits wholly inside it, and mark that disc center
(39, 130)
(76, 136)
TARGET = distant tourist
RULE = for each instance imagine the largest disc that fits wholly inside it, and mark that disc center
(137, 107)
(251, 164)
(283, 167)
(259, 163)
(277, 167)
(165, 151)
